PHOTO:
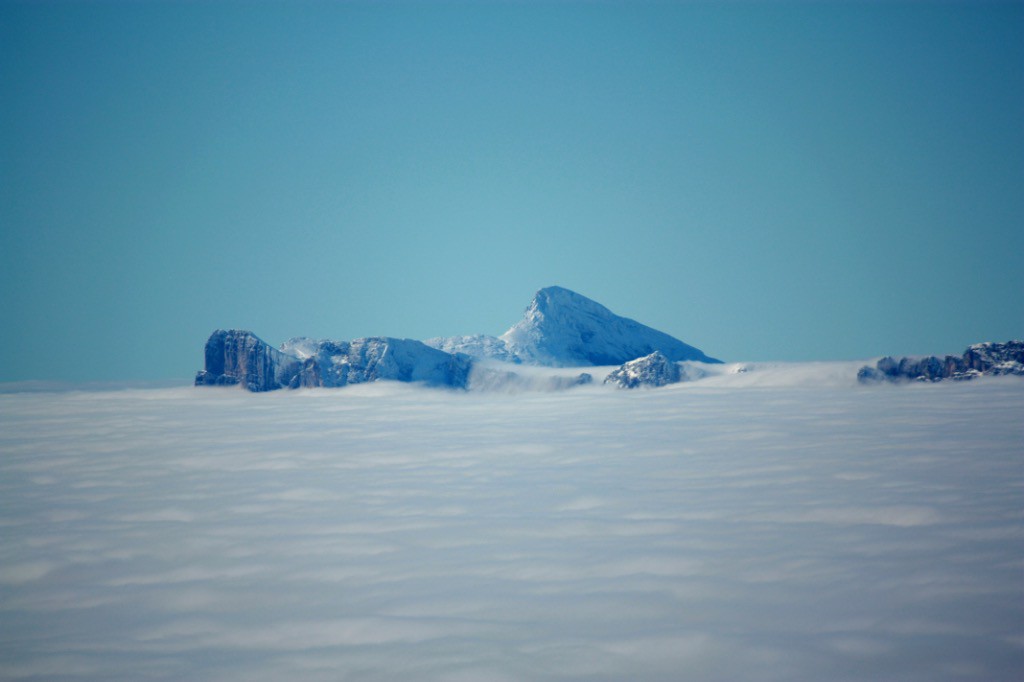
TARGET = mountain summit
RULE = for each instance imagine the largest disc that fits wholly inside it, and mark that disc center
(563, 328)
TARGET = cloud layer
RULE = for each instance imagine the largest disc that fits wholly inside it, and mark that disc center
(388, 532)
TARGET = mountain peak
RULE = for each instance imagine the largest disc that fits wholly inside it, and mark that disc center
(554, 297)
(563, 328)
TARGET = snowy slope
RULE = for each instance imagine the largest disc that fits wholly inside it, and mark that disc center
(561, 328)
(240, 357)
(479, 346)
(333, 364)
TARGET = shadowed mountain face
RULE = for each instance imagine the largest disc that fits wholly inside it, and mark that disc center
(981, 359)
(561, 328)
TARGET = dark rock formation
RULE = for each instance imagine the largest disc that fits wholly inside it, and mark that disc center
(236, 356)
(981, 359)
(651, 370)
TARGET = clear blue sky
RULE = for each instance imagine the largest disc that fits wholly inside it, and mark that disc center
(765, 181)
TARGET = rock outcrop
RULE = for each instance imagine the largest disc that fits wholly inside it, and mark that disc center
(981, 359)
(235, 356)
(652, 370)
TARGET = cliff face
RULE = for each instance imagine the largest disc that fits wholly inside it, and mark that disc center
(240, 357)
(981, 359)
(560, 328)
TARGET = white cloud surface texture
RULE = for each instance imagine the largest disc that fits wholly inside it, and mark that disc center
(387, 532)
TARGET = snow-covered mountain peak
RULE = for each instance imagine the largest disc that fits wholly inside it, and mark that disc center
(555, 299)
(563, 328)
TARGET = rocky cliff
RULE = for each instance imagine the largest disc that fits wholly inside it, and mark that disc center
(240, 357)
(235, 356)
(978, 360)
(652, 370)
(339, 363)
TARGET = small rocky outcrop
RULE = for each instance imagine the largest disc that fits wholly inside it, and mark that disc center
(981, 359)
(651, 370)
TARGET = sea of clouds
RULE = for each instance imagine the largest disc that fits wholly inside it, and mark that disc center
(704, 531)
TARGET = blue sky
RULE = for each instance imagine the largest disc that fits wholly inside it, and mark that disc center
(765, 181)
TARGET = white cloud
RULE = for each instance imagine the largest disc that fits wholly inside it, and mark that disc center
(764, 531)
(24, 572)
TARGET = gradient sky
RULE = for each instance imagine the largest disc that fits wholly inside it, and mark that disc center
(765, 181)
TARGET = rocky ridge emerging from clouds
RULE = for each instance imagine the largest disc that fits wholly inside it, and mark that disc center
(652, 370)
(560, 328)
(980, 359)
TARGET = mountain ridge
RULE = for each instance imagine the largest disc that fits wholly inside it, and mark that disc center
(560, 328)
(979, 359)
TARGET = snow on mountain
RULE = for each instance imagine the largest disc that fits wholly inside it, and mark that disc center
(563, 328)
(339, 363)
(651, 370)
(477, 345)
(559, 329)
(654, 370)
(240, 357)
